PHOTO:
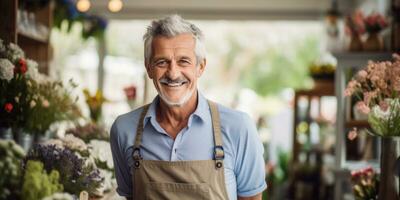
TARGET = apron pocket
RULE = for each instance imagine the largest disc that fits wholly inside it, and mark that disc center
(186, 191)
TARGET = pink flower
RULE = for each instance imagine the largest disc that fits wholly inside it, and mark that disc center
(361, 106)
(362, 75)
(351, 87)
(352, 134)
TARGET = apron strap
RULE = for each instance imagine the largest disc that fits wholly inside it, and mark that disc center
(218, 148)
(139, 133)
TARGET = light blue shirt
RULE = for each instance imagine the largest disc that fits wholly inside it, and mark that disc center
(243, 163)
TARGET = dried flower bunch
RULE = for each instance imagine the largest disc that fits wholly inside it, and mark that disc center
(378, 89)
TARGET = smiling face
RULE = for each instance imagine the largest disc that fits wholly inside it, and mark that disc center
(173, 68)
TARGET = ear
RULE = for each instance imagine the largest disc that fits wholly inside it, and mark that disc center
(148, 70)
(201, 67)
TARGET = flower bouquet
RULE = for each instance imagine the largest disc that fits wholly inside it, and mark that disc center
(365, 184)
(374, 24)
(51, 102)
(16, 75)
(378, 89)
(76, 174)
(355, 27)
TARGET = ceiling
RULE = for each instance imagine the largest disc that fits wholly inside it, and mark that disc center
(222, 9)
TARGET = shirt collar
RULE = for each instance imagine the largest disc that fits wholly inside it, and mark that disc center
(202, 110)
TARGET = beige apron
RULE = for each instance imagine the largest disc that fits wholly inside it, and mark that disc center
(187, 180)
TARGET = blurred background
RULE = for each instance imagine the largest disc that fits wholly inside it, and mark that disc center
(284, 62)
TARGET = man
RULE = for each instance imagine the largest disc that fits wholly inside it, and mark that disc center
(182, 146)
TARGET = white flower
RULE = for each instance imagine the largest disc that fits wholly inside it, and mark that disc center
(108, 182)
(59, 196)
(32, 72)
(14, 53)
(394, 104)
(6, 69)
(101, 150)
(32, 103)
(74, 143)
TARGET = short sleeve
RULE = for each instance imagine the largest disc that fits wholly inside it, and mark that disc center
(121, 166)
(249, 162)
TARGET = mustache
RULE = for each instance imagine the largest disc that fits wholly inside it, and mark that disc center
(167, 80)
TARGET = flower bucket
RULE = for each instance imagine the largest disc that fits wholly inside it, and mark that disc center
(6, 133)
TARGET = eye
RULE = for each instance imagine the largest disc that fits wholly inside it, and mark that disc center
(161, 63)
(185, 61)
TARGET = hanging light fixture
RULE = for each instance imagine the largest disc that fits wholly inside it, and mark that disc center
(83, 5)
(115, 5)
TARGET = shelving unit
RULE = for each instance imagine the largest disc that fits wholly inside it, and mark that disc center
(309, 141)
(36, 47)
(346, 62)
(321, 88)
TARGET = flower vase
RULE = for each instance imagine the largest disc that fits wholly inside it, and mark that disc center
(41, 138)
(374, 42)
(355, 43)
(25, 140)
(6, 133)
(389, 186)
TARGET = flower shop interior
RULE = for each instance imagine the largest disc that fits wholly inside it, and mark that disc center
(320, 79)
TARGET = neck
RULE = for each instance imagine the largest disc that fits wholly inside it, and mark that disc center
(175, 117)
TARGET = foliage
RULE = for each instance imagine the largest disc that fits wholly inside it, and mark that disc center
(37, 183)
(28, 99)
(11, 156)
(51, 102)
(66, 12)
(273, 70)
(75, 175)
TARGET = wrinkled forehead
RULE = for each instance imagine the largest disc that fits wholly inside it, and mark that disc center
(185, 41)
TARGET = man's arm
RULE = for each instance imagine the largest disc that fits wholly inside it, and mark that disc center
(250, 165)
(255, 197)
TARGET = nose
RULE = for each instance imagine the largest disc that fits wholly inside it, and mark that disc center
(173, 70)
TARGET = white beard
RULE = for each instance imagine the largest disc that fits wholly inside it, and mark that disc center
(180, 102)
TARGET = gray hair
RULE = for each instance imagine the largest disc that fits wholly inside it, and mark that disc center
(171, 26)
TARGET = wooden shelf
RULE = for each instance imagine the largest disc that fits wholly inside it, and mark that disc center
(357, 124)
(321, 88)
